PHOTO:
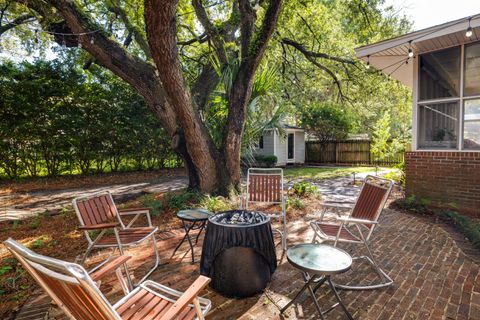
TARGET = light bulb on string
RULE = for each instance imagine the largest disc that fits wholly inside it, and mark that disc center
(92, 40)
(368, 62)
(79, 42)
(469, 32)
(410, 50)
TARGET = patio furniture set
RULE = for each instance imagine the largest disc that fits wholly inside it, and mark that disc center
(238, 255)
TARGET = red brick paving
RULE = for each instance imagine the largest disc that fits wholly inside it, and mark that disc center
(434, 278)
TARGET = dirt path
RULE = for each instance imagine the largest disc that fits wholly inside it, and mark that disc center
(19, 204)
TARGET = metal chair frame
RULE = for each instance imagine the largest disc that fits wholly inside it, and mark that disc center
(364, 229)
(92, 243)
(74, 274)
(283, 199)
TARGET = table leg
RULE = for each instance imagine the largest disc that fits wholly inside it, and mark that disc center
(308, 281)
(312, 294)
(202, 226)
(338, 299)
(187, 229)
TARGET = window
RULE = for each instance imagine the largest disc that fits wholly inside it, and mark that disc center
(440, 74)
(260, 143)
(471, 127)
(438, 125)
(472, 70)
(448, 114)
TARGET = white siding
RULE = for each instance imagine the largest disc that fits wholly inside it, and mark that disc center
(267, 149)
(299, 147)
(280, 149)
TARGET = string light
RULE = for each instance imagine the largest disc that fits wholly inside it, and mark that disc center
(64, 44)
(79, 43)
(368, 62)
(469, 32)
(92, 40)
(410, 50)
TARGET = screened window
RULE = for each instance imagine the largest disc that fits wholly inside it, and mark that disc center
(438, 125)
(440, 74)
(448, 113)
(471, 127)
(472, 70)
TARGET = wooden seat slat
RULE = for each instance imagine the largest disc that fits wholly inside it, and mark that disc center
(151, 309)
(131, 301)
(138, 305)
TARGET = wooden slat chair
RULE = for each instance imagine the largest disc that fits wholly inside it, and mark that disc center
(364, 216)
(75, 292)
(99, 213)
(265, 185)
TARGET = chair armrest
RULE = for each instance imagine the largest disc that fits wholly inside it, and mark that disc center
(354, 220)
(129, 211)
(109, 267)
(186, 298)
(100, 226)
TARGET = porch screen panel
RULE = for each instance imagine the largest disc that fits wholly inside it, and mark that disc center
(438, 125)
(472, 70)
(440, 74)
(471, 127)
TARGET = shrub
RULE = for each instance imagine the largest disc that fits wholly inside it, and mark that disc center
(465, 225)
(149, 201)
(295, 203)
(414, 204)
(182, 200)
(266, 161)
(304, 189)
(215, 204)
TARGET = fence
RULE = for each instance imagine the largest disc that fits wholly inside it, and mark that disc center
(346, 152)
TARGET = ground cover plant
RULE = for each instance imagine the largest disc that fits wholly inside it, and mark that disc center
(321, 173)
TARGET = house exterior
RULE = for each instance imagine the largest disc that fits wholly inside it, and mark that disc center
(289, 149)
(441, 65)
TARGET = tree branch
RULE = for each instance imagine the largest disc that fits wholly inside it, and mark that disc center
(313, 54)
(23, 19)
(138, 35)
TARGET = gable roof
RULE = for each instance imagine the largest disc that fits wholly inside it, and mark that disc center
(391, 56)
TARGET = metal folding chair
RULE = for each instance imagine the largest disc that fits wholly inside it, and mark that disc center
(357, 227)
(265, 185)
(99, 213)
(75, 292)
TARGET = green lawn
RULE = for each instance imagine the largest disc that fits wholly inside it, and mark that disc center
(323, 172)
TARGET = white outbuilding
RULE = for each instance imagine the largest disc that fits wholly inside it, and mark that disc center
(288, 146)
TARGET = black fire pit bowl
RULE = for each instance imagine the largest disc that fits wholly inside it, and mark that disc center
(238, 253)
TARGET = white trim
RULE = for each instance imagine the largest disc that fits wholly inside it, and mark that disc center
(415, 87)
(420, 35)
(462, 102)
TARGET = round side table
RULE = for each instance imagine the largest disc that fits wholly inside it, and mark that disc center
(192, 219)
(318, 262)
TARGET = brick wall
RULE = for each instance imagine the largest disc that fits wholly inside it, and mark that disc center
(446, 178)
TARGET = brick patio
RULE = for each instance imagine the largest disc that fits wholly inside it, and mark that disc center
(436, 276)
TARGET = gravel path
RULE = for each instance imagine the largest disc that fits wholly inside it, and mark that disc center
(52, 200)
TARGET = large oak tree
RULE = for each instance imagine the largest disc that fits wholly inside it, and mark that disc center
(236, 31)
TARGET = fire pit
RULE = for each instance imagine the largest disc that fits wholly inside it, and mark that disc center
(238, 253)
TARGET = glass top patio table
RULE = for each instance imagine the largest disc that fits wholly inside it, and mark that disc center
(319, 259)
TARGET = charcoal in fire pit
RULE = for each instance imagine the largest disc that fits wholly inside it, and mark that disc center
(240, 218)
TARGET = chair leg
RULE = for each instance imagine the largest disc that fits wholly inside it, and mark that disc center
(87, 253)
(122, 253)
(385, 278)
(157, 260)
